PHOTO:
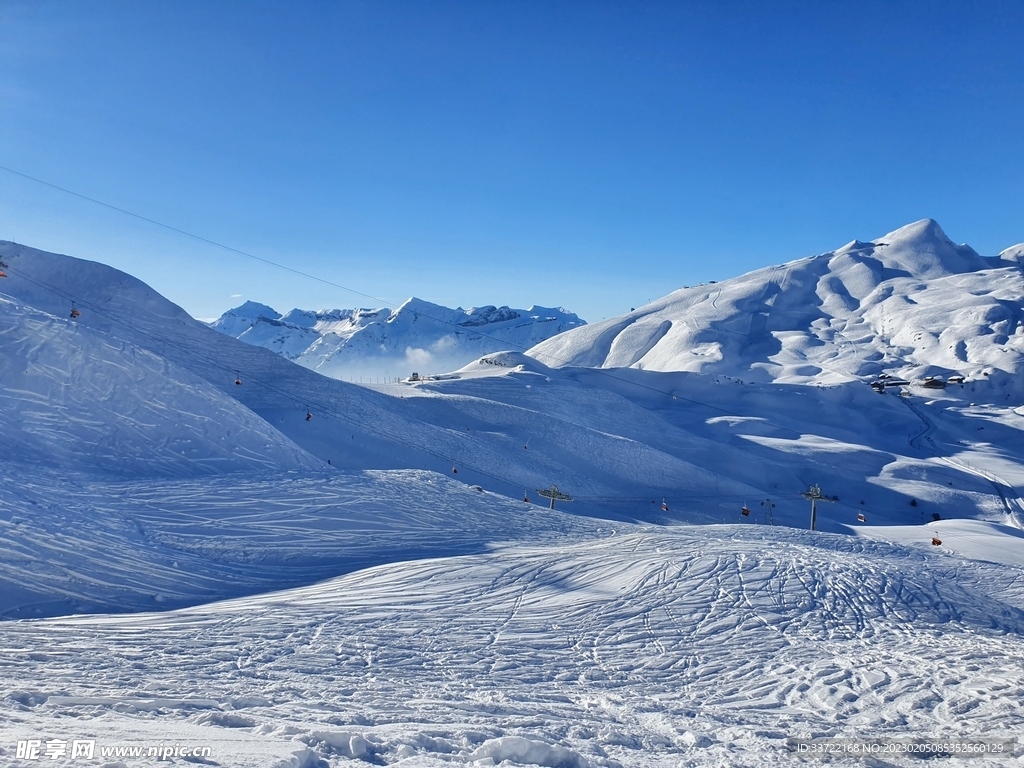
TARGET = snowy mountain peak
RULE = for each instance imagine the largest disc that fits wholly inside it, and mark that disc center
(237, 321)
(920, 232)
(922, 249)
(254, 309)
(1014, 253)
(413, 305)
(302, 318)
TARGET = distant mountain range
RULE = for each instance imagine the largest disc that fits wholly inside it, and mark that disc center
(417, 336)
(910, 303)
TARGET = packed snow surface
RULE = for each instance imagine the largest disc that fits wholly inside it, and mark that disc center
(350, 574)
(416, 337)
(624, 646)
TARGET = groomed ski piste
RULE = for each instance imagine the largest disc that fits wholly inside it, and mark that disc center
(294, 571)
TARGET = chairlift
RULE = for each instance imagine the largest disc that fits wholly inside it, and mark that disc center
(936, 542)
(238, 378)
(455, 470)
(664, 505)
(861, 518)
(526, 497)
(309, 414)
(745, 512)
(74, 312)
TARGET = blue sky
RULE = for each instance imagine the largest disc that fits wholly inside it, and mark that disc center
(593, 155)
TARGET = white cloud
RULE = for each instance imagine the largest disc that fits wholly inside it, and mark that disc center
(417, 357)
(447, 343)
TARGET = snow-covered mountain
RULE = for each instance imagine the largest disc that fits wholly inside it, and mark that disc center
(135, 391)
(427, 616)
(911, 304)
(417, 336)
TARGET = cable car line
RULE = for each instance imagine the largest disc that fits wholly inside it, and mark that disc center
(387, 304)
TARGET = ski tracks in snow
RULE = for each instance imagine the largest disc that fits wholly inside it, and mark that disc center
(654, 647)
(1013, 504)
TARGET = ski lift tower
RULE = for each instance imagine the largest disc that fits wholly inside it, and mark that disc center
(553, 493)
(815, 495)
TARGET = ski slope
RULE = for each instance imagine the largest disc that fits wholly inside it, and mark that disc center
(623, 647)
(72, 397)
(80, 545)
